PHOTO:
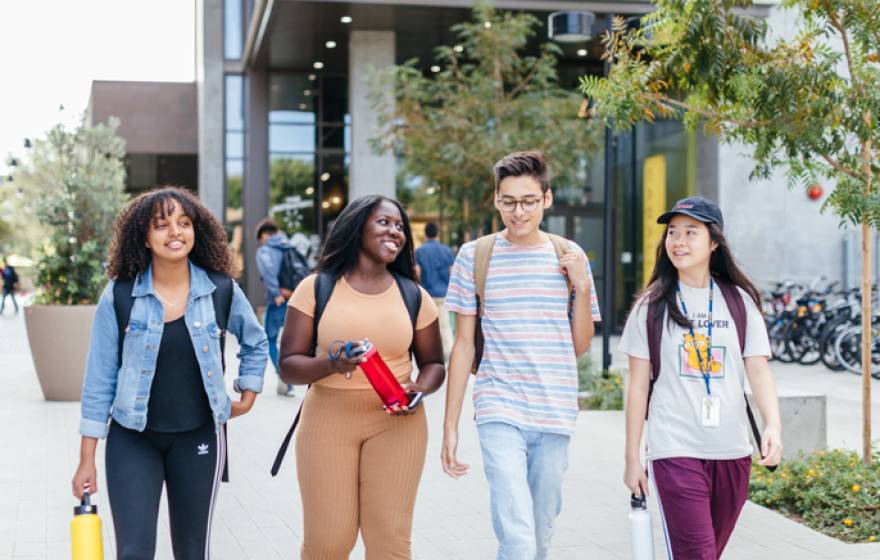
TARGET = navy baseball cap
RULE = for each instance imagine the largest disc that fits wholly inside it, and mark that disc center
(698, 208)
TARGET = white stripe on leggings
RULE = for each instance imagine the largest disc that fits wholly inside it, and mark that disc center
(218, 475)
(660, 505)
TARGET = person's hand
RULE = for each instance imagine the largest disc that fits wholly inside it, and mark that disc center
(85, 478)
(635, 479)
(403, 410)
(574, 266)
(244, 405)
(345, 365)
(448, 458)
(279, 299)
(771, 446)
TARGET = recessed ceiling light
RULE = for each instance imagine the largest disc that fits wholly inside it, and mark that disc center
(318, 65)
(324, 176)
(302, 106)
(435, 69)
(487, 24)
(310, 191)
(345, 19)
(330, 44)
(307, 92)
(335, 200)
(312, 77)
(325, 205)
(458, 48)
(582, 52)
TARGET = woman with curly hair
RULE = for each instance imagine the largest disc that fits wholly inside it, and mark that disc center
(154, 378)
(359, 466)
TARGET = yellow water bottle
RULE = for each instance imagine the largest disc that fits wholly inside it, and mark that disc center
(85, 532)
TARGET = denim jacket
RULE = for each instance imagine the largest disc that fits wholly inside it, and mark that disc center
(121, 388)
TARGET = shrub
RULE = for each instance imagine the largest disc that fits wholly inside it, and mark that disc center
(604, 389)
(831, 491)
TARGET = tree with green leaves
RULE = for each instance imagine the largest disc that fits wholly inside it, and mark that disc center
(72, 183)
(807, 103)
(488, 98)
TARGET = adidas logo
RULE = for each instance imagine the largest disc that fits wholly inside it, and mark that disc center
(203, 449)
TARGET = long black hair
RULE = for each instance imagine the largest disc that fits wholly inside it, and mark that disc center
(129, 255)
(345, 239)
(664, 278)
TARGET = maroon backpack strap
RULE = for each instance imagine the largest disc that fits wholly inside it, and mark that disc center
(654, 322)
(737, 308)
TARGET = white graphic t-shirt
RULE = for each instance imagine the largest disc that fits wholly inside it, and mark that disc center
(674, 427)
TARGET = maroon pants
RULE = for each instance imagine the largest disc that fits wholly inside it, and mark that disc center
(700, 501)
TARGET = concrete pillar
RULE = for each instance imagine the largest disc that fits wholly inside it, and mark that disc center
(209, 83)
(255, 197)
(370, 173)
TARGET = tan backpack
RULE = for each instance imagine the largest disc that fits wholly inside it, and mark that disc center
(482, 256)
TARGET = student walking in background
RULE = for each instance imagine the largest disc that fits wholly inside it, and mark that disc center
(433, 263)
(692, 337)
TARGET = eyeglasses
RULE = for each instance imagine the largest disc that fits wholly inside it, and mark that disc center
(528, 204)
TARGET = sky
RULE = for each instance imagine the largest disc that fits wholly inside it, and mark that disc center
(52, 50)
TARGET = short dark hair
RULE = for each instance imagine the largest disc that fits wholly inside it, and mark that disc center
(431, 230)
(267, 225)
(518, 164)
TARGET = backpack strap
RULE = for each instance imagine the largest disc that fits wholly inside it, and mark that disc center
(737, 308)
(123, 301)
(482, 257)
(563, 246)
(325, 282)
(221, 297)
(654, 323)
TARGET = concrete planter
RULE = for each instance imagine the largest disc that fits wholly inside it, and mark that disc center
(59, 339)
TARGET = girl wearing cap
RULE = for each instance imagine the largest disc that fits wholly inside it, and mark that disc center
(698, 447)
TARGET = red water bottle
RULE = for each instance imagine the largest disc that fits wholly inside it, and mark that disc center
(383, 381)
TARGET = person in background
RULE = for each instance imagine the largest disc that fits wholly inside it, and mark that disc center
(10, 284)
(273, 244)
(433, 262)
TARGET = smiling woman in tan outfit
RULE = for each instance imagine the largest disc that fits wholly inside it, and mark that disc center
(358, 465)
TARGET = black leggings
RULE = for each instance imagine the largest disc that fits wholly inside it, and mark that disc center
(188, 463)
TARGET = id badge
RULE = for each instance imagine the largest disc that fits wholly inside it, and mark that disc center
(711, 412)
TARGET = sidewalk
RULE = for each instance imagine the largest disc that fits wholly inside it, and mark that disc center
(259, 517)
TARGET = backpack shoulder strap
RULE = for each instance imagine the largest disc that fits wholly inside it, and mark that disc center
(221, 297)
(412, 298)
(482, 256)
(654, 323)
(122, 304)
(324, 285)
(562, 246)
(737, 308)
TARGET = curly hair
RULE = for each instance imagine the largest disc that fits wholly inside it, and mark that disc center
(129, 255)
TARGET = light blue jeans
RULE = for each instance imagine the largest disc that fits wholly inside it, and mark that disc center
(525, 471)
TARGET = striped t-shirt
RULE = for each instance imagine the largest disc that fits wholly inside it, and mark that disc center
(528, 374)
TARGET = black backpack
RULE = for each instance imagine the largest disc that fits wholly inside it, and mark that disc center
(123, 301)
(293, 269)
(325, 282)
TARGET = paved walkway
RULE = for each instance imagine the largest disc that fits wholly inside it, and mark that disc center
(259, 517)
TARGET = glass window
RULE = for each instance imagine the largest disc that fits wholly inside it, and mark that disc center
(233, 29)
(234, 102)
(292, 192)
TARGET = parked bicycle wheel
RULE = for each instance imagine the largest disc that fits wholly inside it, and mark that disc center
(826, 342)
(777, 342)
(848, 348)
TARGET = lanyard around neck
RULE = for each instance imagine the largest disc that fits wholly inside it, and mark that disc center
(706, 370)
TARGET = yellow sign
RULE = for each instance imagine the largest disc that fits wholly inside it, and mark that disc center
(654, 204)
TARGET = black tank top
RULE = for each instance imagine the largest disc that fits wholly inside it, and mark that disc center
(178, 401)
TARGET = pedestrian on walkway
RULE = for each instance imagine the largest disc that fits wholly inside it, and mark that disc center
(10, 284)
(274, 245)
(154, 378)
(359, 465)
(433, 263)
(525, 305)
(689, 352)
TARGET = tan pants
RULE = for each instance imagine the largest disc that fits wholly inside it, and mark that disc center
(358, 469)
(445, 326)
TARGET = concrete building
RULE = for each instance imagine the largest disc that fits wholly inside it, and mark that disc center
(282, 124)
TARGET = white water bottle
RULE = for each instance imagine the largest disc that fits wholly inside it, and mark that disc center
(641, 531)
